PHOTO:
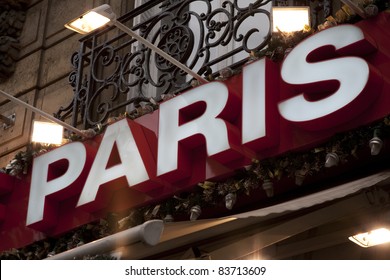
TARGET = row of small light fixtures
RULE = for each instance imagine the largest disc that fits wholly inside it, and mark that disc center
(332, 159)
(375, 145)
(366, 239)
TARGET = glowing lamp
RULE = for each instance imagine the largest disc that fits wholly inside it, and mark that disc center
(104, 15)
(290, 19)
(371, 238)
(92, 19)
(47, 132)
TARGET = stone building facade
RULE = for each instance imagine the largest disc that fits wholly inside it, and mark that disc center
(35, 54)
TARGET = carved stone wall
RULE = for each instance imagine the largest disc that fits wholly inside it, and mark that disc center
(12, 18)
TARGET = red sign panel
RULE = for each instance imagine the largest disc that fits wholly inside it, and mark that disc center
(333, 81)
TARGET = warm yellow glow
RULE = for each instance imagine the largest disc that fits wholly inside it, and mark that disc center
(290, 19)
(372, 238)
(88, 22)
(47, 132)
(93, 19)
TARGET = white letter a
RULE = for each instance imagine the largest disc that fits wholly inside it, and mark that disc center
(131, 166)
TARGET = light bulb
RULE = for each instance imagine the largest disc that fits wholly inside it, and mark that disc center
(195, 212)
(230, 200)
(299, 178)
(168, 218)
(268, 186)
(375, 145)
(332, 159)
(371, 238)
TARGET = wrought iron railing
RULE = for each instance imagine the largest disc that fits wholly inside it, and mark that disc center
(113, 73)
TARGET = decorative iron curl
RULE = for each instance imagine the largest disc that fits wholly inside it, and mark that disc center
(104, 59)
(245, 38)
(192, 31)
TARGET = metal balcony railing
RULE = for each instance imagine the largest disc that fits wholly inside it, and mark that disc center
(113, 73)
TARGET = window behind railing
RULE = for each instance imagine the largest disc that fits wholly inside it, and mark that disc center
(113, 73)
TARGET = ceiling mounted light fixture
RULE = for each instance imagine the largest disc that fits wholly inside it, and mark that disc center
(104, 15)
(371, 238)
(268, 187)
(195, 212)
(290, 19)
(331, 159)
(375, 143)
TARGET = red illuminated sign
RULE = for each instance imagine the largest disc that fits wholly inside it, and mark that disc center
(334, 80)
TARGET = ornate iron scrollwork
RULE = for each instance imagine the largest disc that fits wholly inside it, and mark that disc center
(178, 42)
(112, 70)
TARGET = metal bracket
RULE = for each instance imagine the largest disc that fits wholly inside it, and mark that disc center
(8, 121)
